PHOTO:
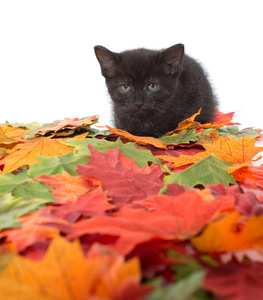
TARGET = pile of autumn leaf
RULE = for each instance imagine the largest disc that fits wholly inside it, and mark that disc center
(96, 214)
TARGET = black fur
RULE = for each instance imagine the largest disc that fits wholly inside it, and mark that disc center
(152, 91)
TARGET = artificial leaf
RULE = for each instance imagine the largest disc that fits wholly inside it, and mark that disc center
(140, 156)
(184, 290)
(37, 228)
(11, 208)
(25, 154)
(65, 273)
(232, 233)
(27, 188)
(235, 281)
(57, 164)
(14, 132)
(221, 118)
(173, 218)
(147, 140)
(229, 149)
(234, 131)
(189, 122)
(67, 188)
(183, 137)
(89, 204)
(63, 124)
(122, 183)
(209, 170)
(249, 175)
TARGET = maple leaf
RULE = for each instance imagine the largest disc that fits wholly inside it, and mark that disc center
(57, 164)
(235, 281)
(209, 170)
(249, 175)
(93, 203)
(189, 122)
(173, 218)
(25, 154)
(62, 124)
(65, 273)
(39, 228)
(27, 188)
(183, 137)
(13, 132)
(140, 156)
(229, 149)
(221, 118)
(231, 233)
(67, 188)
(11, 208)
(122, 183)
(147, 140)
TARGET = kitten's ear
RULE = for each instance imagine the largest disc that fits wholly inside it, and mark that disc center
(107, 60)
(172, 59)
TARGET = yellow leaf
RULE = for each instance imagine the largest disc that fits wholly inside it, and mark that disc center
(24, 154)
(227, 148)
(190, 122)
(65, 274)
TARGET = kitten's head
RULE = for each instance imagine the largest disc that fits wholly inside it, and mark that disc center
(141, 84)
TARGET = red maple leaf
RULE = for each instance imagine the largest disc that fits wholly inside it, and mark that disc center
(122, 182)
(170, 218)
(236, 281)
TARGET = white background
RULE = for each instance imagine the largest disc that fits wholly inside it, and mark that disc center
(48, 69)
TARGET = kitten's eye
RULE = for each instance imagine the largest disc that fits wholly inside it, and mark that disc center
(125, 88)
(152, 87)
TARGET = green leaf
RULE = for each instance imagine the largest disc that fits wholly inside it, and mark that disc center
(234, 131)
(209, 170)
(32, 125)
(27, 188)
(188, 288)
(12, 208)
(184, 137)
(141, 157)
(56, 164)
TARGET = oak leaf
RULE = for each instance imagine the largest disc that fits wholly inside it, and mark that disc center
(25, 154)
(65, 273)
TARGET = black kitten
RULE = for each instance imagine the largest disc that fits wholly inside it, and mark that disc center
(152, 91)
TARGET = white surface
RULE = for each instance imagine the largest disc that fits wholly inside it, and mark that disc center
(48, 69)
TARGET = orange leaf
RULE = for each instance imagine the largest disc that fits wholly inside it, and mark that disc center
(229, 149)
(14, 132)
(143, 140)
(249, 175)
(190, 122)
(67, 188)
(231, 233)
(65, 273)
(24, 154)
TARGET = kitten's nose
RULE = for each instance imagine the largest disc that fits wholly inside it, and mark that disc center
(139, 105)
